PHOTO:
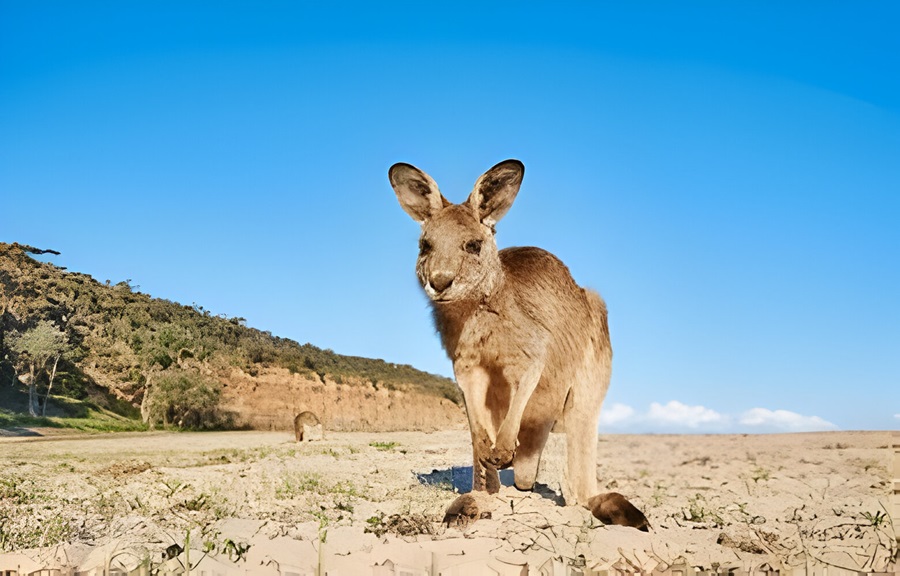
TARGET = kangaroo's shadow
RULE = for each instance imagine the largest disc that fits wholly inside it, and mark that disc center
(459, 480)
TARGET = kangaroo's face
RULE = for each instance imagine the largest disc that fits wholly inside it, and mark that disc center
(458, 257)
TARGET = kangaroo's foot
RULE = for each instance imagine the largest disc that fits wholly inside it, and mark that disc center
(466, 508)
(501, 453)
(499, 457)
(613, 508)
(485, 478)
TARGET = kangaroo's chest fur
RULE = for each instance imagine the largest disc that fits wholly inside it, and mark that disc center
(507, 333)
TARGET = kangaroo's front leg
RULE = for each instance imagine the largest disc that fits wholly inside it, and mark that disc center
(505, 444)
(474, 382)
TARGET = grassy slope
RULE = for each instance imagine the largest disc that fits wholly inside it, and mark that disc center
(118, 337)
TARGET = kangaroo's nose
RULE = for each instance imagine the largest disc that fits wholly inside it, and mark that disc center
(440, 281)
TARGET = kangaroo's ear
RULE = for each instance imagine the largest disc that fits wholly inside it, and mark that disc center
(495, 191)
(417, 192)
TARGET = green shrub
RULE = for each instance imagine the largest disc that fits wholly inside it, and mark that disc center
(186, 400)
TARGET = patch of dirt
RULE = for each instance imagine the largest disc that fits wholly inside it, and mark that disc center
(122, 469)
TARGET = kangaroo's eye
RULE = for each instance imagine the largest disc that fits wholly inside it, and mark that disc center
(473, 247)
(424, 246)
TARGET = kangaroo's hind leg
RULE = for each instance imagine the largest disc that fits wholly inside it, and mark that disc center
(532, 439)
(580, 481)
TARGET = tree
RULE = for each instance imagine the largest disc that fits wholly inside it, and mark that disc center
(32, 350)
(185, 399)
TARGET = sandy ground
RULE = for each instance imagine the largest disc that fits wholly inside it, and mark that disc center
(359, 503)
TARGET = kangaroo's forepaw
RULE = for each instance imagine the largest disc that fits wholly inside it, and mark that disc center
(499, 457)
(463, 510)
(613, 508)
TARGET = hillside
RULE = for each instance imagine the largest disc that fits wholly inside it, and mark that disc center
(131, 353)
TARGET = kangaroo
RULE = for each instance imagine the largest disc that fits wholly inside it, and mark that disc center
(307, 427)
(530, 348)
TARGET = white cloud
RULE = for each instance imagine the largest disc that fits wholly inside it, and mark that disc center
(678, 417)
(615, 414)
(784, 420)
(677, 414)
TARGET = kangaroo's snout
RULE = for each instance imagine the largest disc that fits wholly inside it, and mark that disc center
(440, 281)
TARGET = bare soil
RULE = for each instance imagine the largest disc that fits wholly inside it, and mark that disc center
(257, 499)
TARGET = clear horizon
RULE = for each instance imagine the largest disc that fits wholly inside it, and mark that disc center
(726, 176)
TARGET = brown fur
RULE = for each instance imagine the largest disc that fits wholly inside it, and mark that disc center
(463, 510)
(613, 508)
(304, 419)
(529, 347)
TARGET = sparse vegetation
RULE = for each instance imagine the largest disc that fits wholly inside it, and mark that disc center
(700, 511)
(21, 498)
(293, 485)
(165, 487)
(759, 473)
(876, 519)
(837, 446)
(659, 495)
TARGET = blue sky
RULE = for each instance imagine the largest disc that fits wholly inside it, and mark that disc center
(726, 175)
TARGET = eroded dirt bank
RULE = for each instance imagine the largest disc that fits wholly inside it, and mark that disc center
(271, 399)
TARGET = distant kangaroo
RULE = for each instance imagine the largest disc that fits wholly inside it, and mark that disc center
(304, 421)
(529, 347)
